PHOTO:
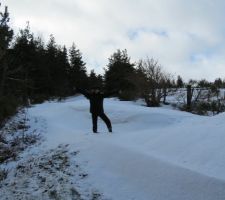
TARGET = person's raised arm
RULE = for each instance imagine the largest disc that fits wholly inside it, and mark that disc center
(84, 92)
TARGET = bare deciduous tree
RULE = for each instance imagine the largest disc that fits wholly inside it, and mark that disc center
(152, 81)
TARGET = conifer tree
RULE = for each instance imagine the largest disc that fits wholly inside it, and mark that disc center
(179, 82)
(95, 80)
(61, 72)
(6, 36)
(24, 56)
(119, 73)
(77, 70)
(51, 66)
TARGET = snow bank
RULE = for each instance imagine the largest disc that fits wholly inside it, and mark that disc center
(153, 153)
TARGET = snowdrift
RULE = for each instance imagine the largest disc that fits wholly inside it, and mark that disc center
(156, 153)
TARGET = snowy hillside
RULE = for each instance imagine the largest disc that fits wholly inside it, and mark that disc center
(152, 154)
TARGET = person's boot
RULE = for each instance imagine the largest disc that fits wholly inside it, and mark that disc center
(95, 131)
(110, 129)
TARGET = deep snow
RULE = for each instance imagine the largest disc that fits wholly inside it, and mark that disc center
(153, 153)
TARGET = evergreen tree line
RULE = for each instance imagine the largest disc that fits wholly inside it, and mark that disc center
(31, 69)
(35, 71)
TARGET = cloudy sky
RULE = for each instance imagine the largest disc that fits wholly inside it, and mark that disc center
(186, 37)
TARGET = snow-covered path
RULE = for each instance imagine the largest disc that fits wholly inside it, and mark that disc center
(126, 174)
(153, 153)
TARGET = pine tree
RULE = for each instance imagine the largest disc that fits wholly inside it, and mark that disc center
(180, 82)
(119, 73)
(95, 80)
(6, 36)
(218, 83)
(8, 102)
(50, 65)
(25, 56)
(77, 70)
(6, 33)
(61, 72)
(203, 83)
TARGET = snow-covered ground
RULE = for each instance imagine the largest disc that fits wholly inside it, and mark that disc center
(152, 154)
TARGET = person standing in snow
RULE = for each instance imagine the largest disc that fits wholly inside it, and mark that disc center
(96, 98)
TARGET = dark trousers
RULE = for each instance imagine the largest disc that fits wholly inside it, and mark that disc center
(103, 117)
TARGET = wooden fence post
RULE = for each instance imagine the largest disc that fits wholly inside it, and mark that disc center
(189, 97)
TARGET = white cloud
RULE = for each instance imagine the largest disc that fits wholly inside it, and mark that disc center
(187, 37)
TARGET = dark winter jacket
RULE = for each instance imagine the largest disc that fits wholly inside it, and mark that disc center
(96, 100)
